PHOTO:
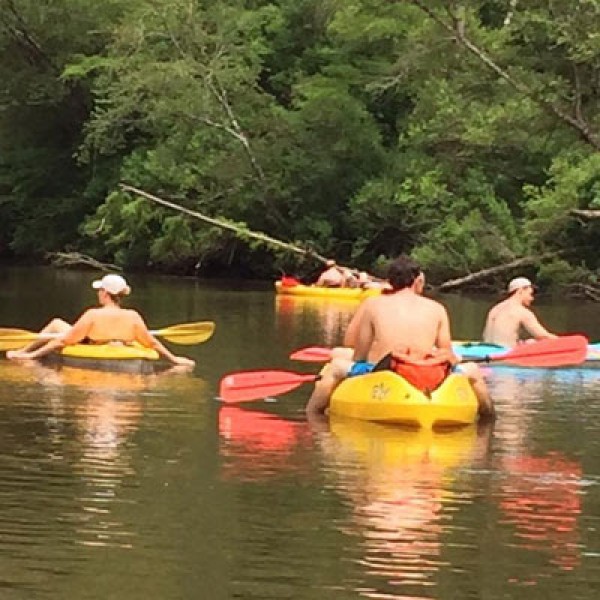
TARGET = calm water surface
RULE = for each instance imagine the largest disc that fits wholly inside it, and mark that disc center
(117, 486)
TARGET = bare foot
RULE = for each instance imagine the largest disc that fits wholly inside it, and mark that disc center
(17, 355)
(182, 361)
(177, 369)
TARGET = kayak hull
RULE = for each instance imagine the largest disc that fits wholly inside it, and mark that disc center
(313, 291)
(132, 358)
(385, 397)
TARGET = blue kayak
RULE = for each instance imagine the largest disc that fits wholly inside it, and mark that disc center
(473, 350)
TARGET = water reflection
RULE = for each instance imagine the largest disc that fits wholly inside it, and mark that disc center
(91, 418)
(540, 491)
(400, 485)
(257, 445)
(330, 316)
(541, 498)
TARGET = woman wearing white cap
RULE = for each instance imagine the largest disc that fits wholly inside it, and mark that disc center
(506, 319)
(107, 323)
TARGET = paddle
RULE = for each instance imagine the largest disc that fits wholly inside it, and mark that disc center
(244, 386)
(554, 352)
(312, 354)
(323, 354)
(185, 334)
(252, 385)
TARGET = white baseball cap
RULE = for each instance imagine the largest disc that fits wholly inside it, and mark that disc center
(113, 284)
(517, 283)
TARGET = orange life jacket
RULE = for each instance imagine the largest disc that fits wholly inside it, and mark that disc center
(426, 374)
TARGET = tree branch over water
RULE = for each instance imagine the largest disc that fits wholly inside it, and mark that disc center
(459, 282)
(589, 215)
(457, 28)
(239, 230)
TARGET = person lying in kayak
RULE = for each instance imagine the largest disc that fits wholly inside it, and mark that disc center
(370, 282)
(401, 323)
(110, 323)
(506, 319)
(332, 277)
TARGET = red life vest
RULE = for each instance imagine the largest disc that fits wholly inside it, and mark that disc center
(426, 374)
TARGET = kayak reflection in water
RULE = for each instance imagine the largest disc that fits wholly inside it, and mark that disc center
(109, 323)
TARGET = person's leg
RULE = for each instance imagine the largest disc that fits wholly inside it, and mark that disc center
(477, 381)
(56, 326)
(335, 372)
(47, 348)
(342, 352)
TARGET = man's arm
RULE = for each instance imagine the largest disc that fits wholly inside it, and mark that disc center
(352, 330)
(444, 338)
(535, 329)
(364, 335)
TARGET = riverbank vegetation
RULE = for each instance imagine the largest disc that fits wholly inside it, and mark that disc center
(465, 133)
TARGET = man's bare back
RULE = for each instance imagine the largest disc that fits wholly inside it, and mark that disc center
(401, 322)
(504, 324)
(505, 320)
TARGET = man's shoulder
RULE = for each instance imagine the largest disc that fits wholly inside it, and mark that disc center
(410, 302)
(433, 304)
(132, 313)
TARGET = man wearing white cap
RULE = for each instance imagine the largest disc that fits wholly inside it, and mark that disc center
(109, 323)
(505, 320)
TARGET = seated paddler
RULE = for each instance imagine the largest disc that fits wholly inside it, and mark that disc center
(407, 326)
(107, 323)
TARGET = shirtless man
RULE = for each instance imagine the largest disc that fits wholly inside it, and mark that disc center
(108, 323)
(402, 321)
(505, 320)
(333, 276)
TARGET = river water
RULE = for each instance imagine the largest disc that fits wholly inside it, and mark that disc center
(134, 487)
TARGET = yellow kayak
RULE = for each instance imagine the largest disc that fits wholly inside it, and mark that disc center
(315, 291)
(110, 357)
(385, 397)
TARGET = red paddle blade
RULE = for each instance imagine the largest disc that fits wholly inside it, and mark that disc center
(253, 385)
(312, 354)
(557, 352)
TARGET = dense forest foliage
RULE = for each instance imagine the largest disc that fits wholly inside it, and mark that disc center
(463, 132)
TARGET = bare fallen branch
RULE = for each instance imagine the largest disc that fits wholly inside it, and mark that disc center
(76, 259)
(589, 291)
(478, 276)
(227, 225)
(588, 214)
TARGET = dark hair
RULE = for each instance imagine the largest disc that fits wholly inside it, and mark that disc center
(116, 298)
(403, 272)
